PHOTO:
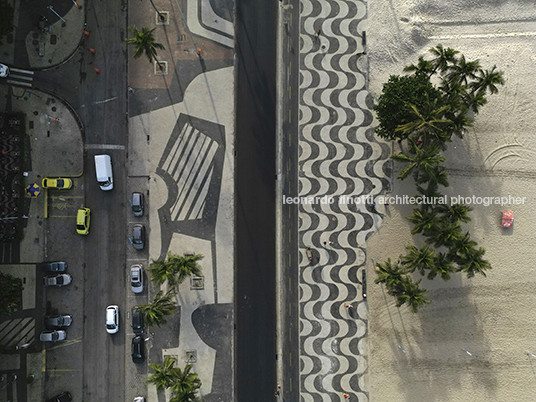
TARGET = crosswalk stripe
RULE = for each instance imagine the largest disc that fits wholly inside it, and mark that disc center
(26, 84)
(18, 70)
(21, 77)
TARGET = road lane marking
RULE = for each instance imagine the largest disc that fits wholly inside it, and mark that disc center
(44, 353)
(104, 146)
(104, 101)
(68, 343)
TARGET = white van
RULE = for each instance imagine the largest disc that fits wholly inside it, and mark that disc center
(103, 169)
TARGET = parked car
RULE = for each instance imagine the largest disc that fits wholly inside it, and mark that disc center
(138, 237)
(58, 321)
(58, 266)
(137, 204)
(53, 336)
(4, 71)
(137, 322)
(138, 350)
(57, 183)
(136, 278)
(57, 280)
(82, 221)
(139, 399)
(112, 319)
(63, 397)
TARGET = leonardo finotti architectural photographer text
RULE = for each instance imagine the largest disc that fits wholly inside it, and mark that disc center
(406, 200)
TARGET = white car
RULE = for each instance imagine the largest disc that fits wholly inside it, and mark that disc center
(139, 399)
(53, 336)
(136, 278)
(4, 70)
(112, 319)
(57, 280)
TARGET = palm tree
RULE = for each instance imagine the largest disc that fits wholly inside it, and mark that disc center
(429, 120)
(443, 58)
(185, 385)
(488, 80)
(185, 266)
(411, 294)
(442, 266)
(474, 263)
(420, 259)
(474, 100)
(164, 375)
(145, 43)
(463, 247)
(423, 67)
(446, 234)
(186, 396)
(425, 159)
(463, 70)
(156, 311)
(455, 212)
(424, 221)
(160, 272)
(389, 273)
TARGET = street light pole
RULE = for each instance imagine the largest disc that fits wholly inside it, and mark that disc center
(59, 16)
(160, 15)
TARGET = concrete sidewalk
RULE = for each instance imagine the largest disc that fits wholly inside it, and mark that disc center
(29, 47)
(181, 136)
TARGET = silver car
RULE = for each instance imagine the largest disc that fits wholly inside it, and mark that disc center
(138, 237)
(57, 280)
(53, 336)
(136, 278)
(137, 204)
(58, 321)
(58, 266)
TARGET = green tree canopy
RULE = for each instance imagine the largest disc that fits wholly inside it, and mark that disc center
(175, 269)
(10, 293)
(7, 13)
(182, 383)
(156, 312)
(163, 375)
(145, 43)
(393, 108)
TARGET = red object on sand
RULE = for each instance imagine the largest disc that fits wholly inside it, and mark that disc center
(507, 219)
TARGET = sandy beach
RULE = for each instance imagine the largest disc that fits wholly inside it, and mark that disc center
(473, 343)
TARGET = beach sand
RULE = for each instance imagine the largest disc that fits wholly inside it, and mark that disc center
(471, 343)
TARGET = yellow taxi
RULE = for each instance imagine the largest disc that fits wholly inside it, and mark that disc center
(82, 221)
(57, 183)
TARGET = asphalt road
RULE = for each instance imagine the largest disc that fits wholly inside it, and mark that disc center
(100, 101)
(289, 260)
(255, 208)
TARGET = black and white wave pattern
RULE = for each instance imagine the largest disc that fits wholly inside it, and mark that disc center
(338, 157)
